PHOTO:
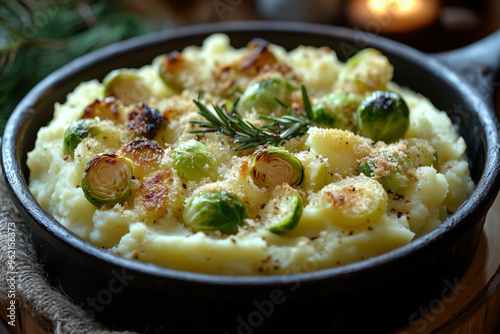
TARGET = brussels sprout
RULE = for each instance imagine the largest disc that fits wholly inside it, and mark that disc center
(146, 121)
(107, 179)
(217, 211)
(146, 155)
(394, 181)
(352, 201)
(127, 86)
(361, 56)
(367, 168)
(193, 160)
(273, 166)
(335, 110)
(367, 71)
(258, 58)
(262, 95)
(383, 116)
(108, 108)
(287, 215)
(315, 173)
(391, 172)
(77, 131)
(171, 70)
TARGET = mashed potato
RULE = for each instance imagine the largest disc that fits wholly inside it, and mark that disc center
(328, 212)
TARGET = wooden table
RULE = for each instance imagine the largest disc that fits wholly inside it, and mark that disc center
(474, 305)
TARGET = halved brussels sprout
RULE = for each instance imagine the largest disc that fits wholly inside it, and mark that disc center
(170, 70)
(193, 160)
(77, 131)
(352, 201)
(273, 166)
(336, 110)
(127, 86)
(390, 171)
(146, 155)
(383, 116)
(286, 213)
(146, 121)
(262, 95)
(366, 71)
(421, 152)
(315, 173)
(108, 108)
(257, 59)
(107, 179)
(394, 181)
(215, 211)
(360, 56)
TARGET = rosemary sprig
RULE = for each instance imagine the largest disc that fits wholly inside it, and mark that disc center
(279, 130)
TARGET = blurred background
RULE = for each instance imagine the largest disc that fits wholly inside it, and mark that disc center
(39, 36)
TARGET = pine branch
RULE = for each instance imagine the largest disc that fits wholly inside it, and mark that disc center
(30, 49)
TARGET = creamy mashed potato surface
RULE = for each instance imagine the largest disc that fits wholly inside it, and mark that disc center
(344, 214)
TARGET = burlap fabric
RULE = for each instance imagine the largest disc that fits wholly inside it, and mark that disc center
(49, 308)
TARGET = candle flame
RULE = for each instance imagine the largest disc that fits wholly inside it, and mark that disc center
(401, 6)
(394, 16)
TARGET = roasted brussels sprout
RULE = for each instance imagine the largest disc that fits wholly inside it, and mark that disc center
(215, 211)
(394, 181)
(171, 68)
(146, 155)
(273, 166)
(287, 215)
(106, 109)
(352, 201)
(258, 59)
(107, 179)
(383, 116)
(366, 71)
(262, 95)
(146, 121)
(335, 110)
(193, 160)
(127, 86)
(77, 131)
(390, 171)
(361, 56)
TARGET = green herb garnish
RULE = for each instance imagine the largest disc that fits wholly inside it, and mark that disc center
(279, 130)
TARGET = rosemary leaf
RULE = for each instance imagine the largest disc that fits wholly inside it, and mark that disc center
(307, 103)
(231, 124)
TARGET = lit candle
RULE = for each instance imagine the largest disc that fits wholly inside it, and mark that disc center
(393, 15)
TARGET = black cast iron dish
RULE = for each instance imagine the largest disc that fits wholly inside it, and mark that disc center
(376, 295)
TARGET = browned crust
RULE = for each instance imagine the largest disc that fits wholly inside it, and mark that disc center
(259, 60)
(143, 151)
(154, 191)
(106, 109)
(144, 121)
